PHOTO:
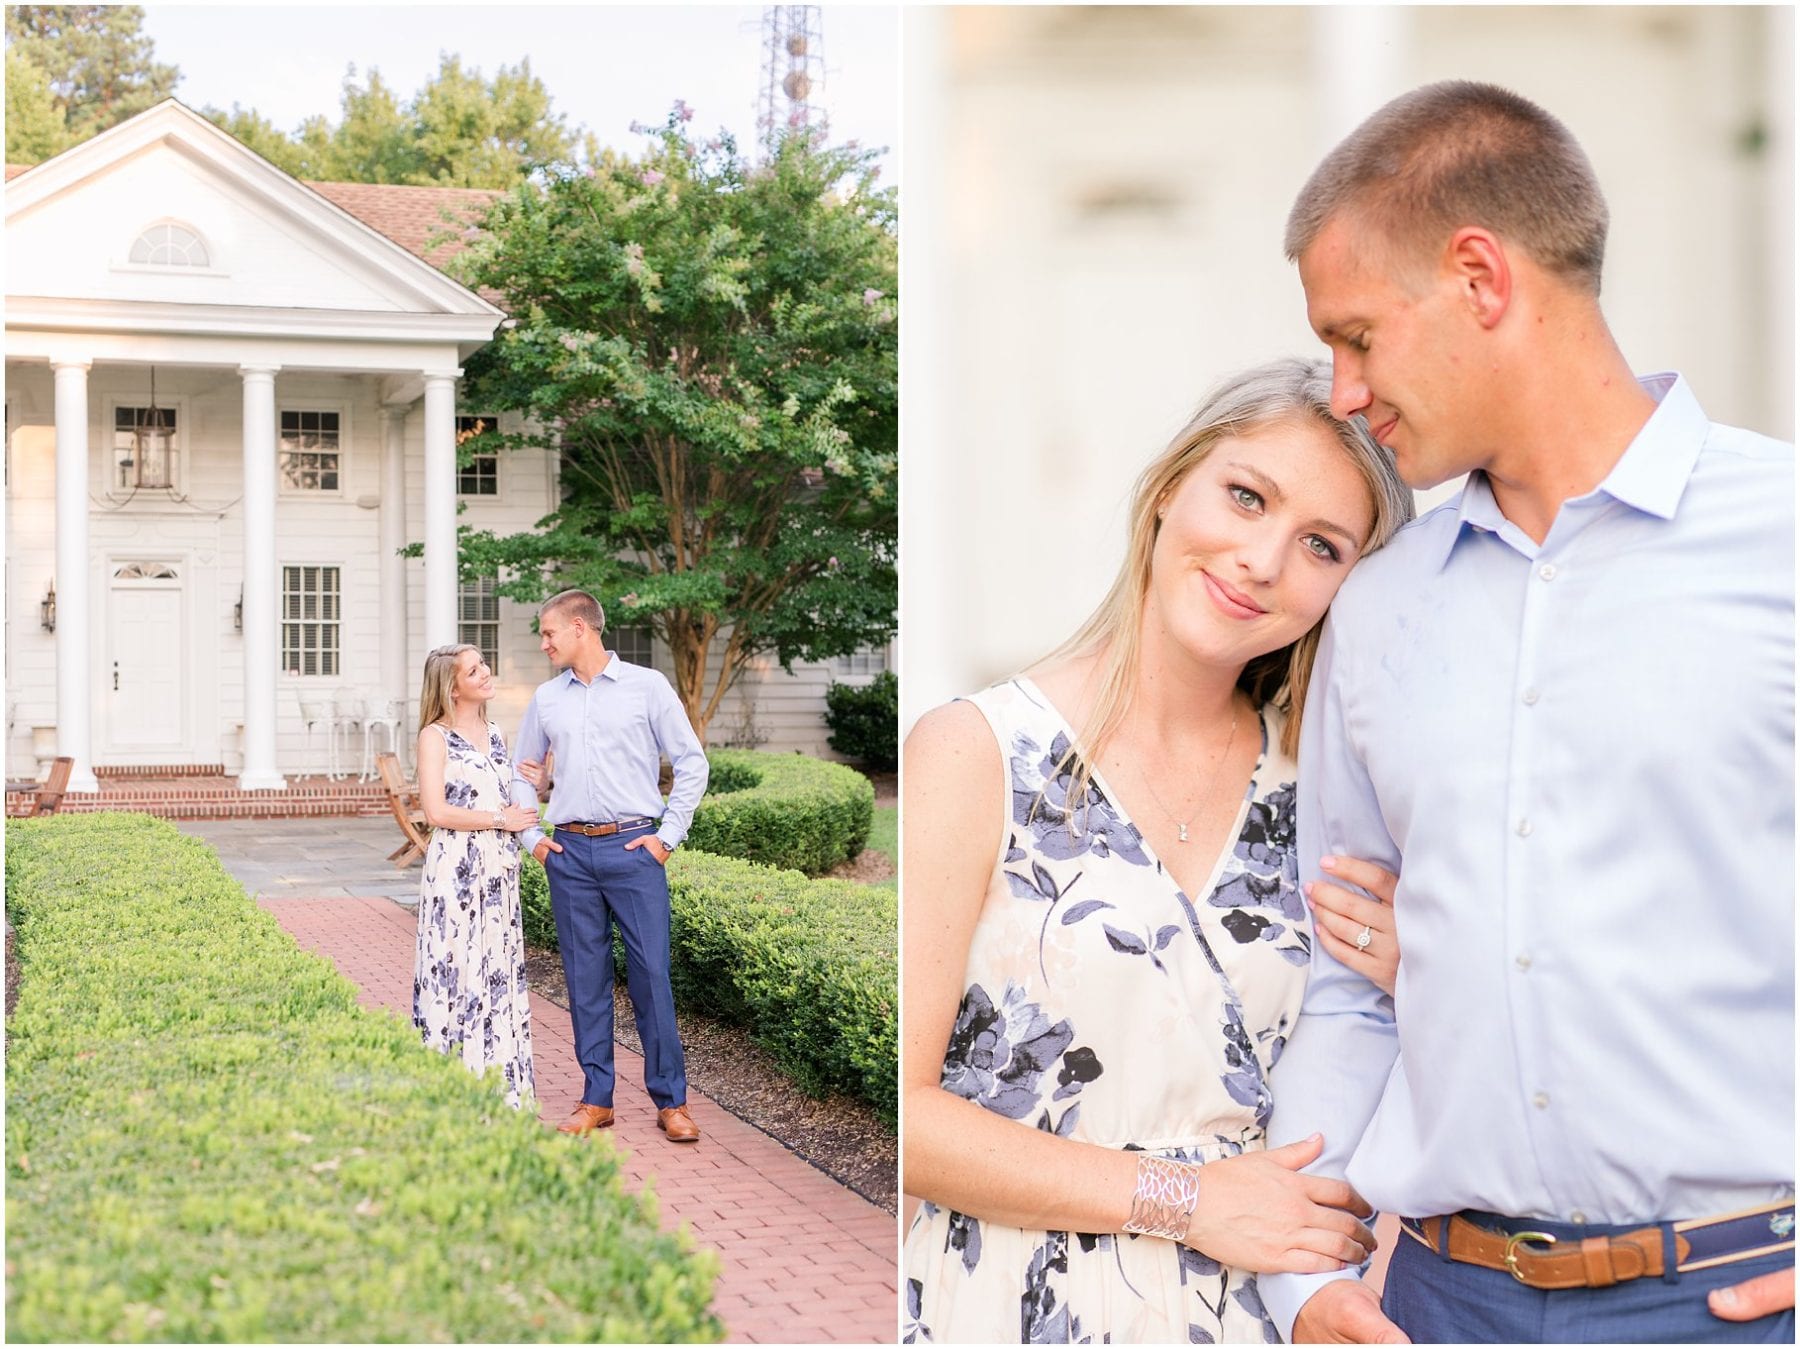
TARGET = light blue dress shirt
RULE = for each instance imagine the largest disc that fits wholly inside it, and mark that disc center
(1579, 757)
(609, 738)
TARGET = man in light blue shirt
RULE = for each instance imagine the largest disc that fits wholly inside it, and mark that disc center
(609, 725)
(1561, 708)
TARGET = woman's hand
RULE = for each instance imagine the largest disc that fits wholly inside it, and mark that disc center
(1259, 1212)
(517, 819)
(1340, 916)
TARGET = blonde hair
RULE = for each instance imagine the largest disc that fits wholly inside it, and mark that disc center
(435, 699)
(1286, 389)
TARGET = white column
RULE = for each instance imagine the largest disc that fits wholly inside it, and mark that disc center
(395, 676)
(1361, 57)
(74, 674)
(1777, 389)
(262, 630)
(935, 660)
(440, 509)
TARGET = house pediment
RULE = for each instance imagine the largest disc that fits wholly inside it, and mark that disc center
(224, 228)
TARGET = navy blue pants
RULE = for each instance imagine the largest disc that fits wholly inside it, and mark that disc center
(595, 882)
(1435, 1300)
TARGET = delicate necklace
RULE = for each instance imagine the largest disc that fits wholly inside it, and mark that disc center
(1181, 826)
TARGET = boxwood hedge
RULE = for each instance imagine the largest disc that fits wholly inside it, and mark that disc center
(785, 810)
(809, 967)
(208, 1139)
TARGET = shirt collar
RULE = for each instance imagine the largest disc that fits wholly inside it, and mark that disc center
(1650, 476)
(1654, 470)
(610, 670)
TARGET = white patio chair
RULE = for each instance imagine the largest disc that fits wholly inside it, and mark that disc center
(316, 713)
(350, 717)
(382, 714)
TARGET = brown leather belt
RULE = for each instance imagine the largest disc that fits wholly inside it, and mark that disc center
(1536, 1260)
(1541, 1260)
(611, 827)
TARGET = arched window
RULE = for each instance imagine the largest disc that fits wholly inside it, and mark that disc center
(170, 245)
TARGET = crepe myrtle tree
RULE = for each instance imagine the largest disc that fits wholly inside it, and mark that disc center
(712, 348)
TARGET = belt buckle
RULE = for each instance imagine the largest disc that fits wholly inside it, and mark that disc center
(1512, 1254)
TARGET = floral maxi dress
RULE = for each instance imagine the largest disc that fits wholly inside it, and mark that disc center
(1103, 1004)
(469, 992)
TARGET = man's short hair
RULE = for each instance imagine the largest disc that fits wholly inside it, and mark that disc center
(576, 604)
(1460, 153)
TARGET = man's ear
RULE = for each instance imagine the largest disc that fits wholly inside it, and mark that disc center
(1477, 260)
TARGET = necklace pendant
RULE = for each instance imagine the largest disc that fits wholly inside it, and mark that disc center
(1182, 836)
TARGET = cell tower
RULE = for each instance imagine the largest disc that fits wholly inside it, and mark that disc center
(793, 73)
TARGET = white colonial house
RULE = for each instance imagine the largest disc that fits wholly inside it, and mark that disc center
(231, 398)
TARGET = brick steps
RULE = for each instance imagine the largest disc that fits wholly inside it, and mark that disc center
(188, 796)
(209, 770)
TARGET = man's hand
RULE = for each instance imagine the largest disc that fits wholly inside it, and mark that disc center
(1762, 1296)
(654, 844)
(545, 847)
(1345, 1311)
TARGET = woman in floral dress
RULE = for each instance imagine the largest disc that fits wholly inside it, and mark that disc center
(469, 993)
(1105, 941)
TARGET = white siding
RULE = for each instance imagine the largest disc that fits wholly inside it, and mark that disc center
(199, 528)
(257, 258)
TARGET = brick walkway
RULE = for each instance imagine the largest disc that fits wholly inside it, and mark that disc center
(802, 1259)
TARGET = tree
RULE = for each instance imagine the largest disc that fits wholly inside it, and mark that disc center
(99, 63)
(460, 130)
(467, 132)
(35, 128)
(712, 348)
(261, 135)
(373, 143)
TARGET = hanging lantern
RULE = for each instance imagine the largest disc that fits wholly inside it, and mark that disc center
(151, 442)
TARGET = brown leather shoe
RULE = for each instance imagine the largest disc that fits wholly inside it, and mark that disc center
(678, 1124)
(586, 1119)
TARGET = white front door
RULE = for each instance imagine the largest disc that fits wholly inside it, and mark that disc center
(143, 679)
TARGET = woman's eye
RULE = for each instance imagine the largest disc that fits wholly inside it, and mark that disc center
(1246, 498)
(1319, 547)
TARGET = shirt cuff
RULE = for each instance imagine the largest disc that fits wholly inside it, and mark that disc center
(670, 843)
(1283, 1295)
(530, 838)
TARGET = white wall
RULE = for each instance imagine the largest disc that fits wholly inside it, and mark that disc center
(257, 256)
(202, 533)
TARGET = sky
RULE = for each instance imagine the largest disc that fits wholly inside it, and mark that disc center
(605, 66)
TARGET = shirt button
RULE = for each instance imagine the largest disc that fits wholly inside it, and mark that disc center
(1530, 697)
(1523, 962)
(1548, 571)
(1578, 1216)
(1523, 829)
(1541, 1101)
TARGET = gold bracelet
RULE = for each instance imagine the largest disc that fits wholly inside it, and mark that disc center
(1164, 1199)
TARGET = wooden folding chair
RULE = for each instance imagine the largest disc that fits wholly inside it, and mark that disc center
(403, 799)
(50, 791)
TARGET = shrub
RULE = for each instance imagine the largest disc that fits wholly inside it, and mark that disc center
(208, 1139)
(782, 809)
(807, 966)
(865, 721)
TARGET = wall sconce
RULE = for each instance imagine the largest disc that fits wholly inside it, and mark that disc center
(47, 610)
(237, 612)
